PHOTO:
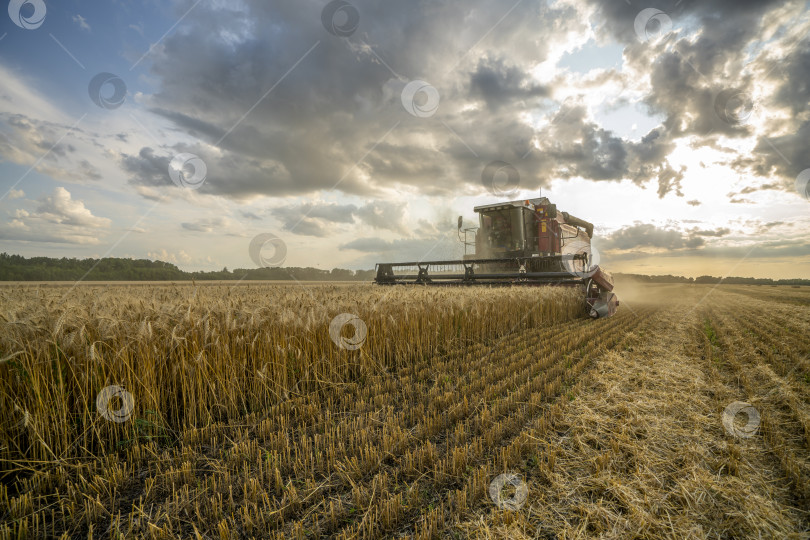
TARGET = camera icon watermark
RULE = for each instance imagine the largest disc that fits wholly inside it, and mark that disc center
(360, 331)
(577, 266)
(651, 24)
(501, 179)
(104, 401)
(27, 14)
(420, 99)
(803, 184)
(518, 498)
(259, 245)
(734, 107)
(188, 171)
(733, 428)
(98, 85)
(340, 18)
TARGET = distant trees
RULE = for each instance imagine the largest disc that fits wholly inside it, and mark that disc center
(712, 280)
(656, 279)
(19, 268)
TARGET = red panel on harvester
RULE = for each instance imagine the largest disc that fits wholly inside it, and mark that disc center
(548, 235)
(542, 235)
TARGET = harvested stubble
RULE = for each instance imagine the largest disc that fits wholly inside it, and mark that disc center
(642, 453)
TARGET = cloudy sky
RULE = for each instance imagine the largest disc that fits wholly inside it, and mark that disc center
(357, 131)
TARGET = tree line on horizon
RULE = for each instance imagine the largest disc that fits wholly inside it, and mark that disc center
(19, 268)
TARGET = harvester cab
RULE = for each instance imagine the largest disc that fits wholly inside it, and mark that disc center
(526, 243)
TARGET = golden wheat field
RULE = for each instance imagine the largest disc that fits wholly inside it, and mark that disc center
(351, 411)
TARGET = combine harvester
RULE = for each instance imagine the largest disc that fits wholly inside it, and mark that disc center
(518, 243)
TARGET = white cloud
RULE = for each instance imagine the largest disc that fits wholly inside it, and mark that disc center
(82, 147)
(58, 218)
(82, 22)
(180, 257)
(219, 225)
(61, 208)
(18, 94)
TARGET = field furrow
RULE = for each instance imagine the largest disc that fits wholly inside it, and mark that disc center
(785, 419)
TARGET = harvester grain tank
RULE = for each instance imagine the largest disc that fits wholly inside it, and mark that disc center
(518, 243)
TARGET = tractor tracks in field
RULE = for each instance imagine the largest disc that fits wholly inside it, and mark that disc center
(412, 450)
(457, 481)
(642, 451)
(754, 350)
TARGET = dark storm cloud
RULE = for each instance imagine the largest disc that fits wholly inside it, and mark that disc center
(696, 69)
(763, 187)
(307, 227)
(693, 73)
(44, 144)
(370, 245)
(373, 250)
(210, 225)
(646, 235)
(722, 231)
(294, 109)
(771, 224)
(720, 16)
(88, 170)
(232, 175)
(334, 213)
(573, 145)
(384, 215)
(794, 68)
(55, 148)
(785, 250)
(783, 155)
(669, 179)
(499, 84)
(585, 148)
(31, 135)
(314, 219)
(690, 100)
(148, 168)
(325, 122)
(194, 126)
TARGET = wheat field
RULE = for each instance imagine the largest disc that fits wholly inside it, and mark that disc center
(352, 411)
